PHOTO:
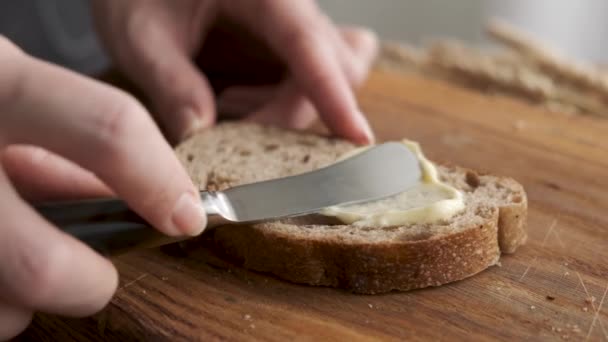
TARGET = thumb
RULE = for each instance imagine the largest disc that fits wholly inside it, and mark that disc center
(179, 93)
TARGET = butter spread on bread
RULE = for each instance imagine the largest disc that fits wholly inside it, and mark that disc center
(322, 250)
(429, 201)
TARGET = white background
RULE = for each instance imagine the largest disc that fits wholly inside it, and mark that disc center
(578, 27)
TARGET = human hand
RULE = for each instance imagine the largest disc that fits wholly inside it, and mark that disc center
(158, 43)
(77, 125)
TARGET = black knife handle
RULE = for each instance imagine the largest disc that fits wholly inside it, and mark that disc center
(107, 225)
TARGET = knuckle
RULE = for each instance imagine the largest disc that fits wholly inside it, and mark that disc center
(319, 76)
(136, 24)
(114, 125)
(306, 47)
(166, 76)
(299, 37)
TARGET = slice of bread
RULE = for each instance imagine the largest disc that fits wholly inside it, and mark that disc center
(319, 250)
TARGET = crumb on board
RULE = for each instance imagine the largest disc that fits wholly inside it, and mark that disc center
(252, 326)
(247, 317)
(532, 307)
(550, 298)
(573, 329)
(371, 306)
(566, 273)
(164, 278)
(585, 309)
(590, 300)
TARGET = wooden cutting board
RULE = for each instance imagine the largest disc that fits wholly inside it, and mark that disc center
(553, 288)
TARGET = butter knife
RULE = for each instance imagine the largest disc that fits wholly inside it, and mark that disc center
(109, 226)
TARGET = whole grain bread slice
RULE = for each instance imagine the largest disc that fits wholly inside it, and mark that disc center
(319, 250)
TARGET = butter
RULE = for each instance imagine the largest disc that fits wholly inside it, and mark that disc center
(429, 201)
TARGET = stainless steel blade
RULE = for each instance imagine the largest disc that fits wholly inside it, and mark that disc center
(378, 172)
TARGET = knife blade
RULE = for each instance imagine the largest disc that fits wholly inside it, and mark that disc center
(375, 173)
(109, 226)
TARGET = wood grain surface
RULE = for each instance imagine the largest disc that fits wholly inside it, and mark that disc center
(553, 288)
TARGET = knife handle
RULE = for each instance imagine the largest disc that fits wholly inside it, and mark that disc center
(110, 227)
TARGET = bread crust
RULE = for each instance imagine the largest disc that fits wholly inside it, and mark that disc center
(362, 268)
(376, 267)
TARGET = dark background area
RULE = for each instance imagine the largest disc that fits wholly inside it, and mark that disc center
(58, 31)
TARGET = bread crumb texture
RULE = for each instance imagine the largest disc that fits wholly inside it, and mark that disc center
(319, 250)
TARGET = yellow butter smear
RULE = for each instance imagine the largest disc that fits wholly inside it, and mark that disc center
(429, 201)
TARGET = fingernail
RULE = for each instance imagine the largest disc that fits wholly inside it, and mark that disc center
(188, 215)
(368, 137)
(193, 123)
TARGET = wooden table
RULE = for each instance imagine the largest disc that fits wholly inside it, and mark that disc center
(545, 291)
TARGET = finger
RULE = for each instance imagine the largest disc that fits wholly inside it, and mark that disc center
(44, 269)
(359, 48)
(239, 101)
(288, 109)
(13, 320)
(291, 109)
(40, 175)
(356, 48)
(294, 30)
(105, 131)
(159, 62)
